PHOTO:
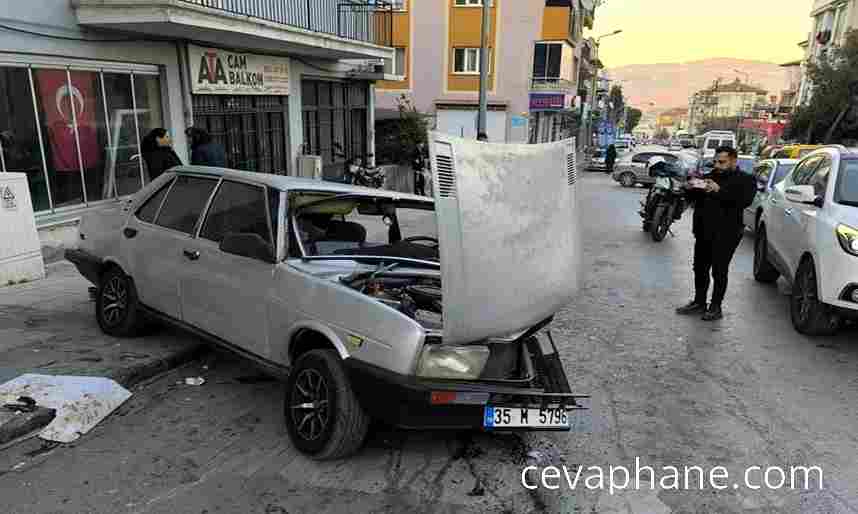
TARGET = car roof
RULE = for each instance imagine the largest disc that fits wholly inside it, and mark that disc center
(287, 183)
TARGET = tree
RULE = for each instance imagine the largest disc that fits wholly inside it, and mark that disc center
(399, 140)
(633, 117)
(616, 103)
(830, 115)
(662, 134)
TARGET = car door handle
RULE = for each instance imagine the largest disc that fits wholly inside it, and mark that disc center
(192, 254)
(129, 232)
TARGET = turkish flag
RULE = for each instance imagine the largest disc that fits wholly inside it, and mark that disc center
(56, 102)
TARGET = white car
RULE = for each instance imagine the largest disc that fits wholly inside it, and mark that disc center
(808, 233)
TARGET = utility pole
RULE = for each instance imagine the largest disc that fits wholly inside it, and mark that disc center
(484, 72)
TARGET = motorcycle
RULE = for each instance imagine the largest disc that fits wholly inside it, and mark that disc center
(359, 175)
(664, 204)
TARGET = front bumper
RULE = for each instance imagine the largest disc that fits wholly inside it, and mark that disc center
(87, 264)
(407, 401)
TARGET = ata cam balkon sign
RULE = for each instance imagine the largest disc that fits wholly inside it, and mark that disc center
(217, 71)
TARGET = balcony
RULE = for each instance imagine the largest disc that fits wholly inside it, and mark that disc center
(324, 29)
(555, 84)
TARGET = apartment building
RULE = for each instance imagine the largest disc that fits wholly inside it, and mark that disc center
(534, 49)
(831, 20)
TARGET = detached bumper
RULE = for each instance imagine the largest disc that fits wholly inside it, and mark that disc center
(411, 402)
(87, 264)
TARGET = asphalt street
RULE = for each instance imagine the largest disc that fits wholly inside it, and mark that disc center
(744, 391)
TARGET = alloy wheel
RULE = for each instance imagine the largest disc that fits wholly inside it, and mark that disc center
(806, 296)
(115, 301)
(310, 405)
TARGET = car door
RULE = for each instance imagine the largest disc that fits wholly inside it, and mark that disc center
(229, 295)
(805, 215)
(775, 210)
(638, 164)
(155, 237)
(794, 219)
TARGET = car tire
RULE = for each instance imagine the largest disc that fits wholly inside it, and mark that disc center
(331, 431)
(627, 179)
(764, 271)
(117, 307)
(809, 315)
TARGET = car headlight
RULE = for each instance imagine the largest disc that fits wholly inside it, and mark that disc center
(445, 361)
(848, 237)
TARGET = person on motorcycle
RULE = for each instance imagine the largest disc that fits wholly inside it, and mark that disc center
(718, 228)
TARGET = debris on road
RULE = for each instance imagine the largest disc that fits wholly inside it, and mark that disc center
(80, 403)
(195, 381)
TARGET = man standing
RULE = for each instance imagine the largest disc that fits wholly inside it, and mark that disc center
(610, 158)
(718, 229)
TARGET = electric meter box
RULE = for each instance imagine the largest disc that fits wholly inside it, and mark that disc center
(20, 248)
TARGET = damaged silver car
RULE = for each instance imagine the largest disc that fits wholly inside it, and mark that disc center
(371, 304)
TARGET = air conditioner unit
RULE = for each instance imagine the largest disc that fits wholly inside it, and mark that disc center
(310, 166)
(378, 68)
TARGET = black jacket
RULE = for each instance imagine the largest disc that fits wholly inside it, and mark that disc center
(208, 154)
(159, 160)
(717, 215)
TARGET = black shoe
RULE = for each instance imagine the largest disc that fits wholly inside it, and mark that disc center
(694, 307)
(713, 313)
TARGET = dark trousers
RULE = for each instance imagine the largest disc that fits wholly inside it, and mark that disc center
(713, 255)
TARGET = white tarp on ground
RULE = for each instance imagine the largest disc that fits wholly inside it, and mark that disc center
(81, 402)
(508, 227)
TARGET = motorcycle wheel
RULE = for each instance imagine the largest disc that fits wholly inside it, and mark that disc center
(661, 221)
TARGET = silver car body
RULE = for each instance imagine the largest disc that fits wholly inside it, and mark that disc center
(768, 173)
(634, 164)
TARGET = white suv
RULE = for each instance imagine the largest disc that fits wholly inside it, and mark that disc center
(808, 233)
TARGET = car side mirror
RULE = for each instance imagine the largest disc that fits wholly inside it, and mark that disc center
(801, 194)
(246, 244)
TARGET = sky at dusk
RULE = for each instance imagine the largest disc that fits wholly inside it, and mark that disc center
(669, 31)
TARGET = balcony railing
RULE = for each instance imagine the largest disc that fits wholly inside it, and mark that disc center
(551, 84)
(370, 21)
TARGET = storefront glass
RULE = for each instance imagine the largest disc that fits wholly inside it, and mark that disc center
(334, 119)
(80, 143)
(19, 139)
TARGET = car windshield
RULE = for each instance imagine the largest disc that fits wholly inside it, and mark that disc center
(352, 225)
(847, 184)
(781, 173)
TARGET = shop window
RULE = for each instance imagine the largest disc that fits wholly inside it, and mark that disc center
(123, 155)
(19, 139)
(147, 95)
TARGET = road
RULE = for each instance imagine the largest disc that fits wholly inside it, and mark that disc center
(744, 391)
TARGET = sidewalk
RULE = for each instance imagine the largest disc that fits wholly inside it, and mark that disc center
(48, 327)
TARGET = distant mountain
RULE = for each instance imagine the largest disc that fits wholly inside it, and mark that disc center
(670, 85)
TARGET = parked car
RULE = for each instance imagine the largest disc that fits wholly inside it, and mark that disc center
(631, 169)
(769, 151)
(808, 233)
(768, 173)
(597, 160)
(339, 289)
(794, 151)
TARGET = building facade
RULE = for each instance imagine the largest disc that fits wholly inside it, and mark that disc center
(831, 20)
(533, 66)
(734, 100)
(83, 82)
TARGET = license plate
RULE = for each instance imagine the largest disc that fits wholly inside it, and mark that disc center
(520, 417)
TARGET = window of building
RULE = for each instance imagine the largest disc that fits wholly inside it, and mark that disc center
(399, 5)
(396, 66)
(335, 122)
(467, 60)
(467, 3)
(547, 59)
(75, 133)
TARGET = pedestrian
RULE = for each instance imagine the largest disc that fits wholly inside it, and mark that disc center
(610, 158)
(718, 229)
(204, 150)
(158, 152)
(418, 164)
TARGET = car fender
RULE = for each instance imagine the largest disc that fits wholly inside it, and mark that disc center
(315, 326)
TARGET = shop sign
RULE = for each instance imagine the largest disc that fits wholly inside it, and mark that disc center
(547, 101)
(7, 197)
(222, 72)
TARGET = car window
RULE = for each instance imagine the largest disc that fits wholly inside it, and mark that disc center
(819, 179)
(762, 173)
(781, 172)
(642, 158)
(670, 158)
(185, 203)
(149, 209)
(237, 208)
(804, 152)
(803, 171)
(847, 184)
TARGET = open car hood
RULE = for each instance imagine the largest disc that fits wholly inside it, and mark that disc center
(508, 229)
